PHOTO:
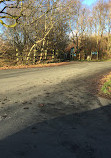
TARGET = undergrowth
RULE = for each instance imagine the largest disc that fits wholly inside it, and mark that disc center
(106, 88)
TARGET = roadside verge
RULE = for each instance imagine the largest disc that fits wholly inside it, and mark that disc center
(101, 85)
(34, 66)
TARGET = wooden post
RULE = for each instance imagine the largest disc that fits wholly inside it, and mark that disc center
(34, 55)
(41, 54)
(28, 56)
(91, 55)
(79, 56)
(17, 55)
(45, 54)
(97, 56)
(53, 55)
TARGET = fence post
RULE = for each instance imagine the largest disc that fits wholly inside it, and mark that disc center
(28, 56)
(97, 56)
(34, 56)
(41, 54)
(45, 54)
(91, 55)
(79, 56)
(17, 59)
(53, 55)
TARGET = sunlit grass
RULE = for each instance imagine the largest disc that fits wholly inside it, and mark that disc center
(106, 88)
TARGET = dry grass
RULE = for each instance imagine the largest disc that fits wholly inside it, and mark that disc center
(95, 84)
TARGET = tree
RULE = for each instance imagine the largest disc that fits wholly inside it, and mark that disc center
(7, 5)
(45, 25)
(40, 27)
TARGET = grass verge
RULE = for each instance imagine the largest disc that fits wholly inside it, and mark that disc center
(106, 86)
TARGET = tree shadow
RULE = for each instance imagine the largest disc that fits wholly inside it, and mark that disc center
(68, 123)
(82, 135)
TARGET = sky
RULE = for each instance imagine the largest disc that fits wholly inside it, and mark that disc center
(89, 2)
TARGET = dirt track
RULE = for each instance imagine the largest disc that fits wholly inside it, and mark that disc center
(49, 112)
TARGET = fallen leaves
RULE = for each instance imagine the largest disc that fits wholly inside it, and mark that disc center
(33, 66)
(94, 85)
(102, 82)
(41, 105)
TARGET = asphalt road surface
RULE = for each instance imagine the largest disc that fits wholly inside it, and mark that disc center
(50, 113)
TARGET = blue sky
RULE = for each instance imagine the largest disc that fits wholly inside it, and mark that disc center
(89, 2)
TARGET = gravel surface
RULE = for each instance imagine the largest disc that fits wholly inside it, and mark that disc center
(50, 112)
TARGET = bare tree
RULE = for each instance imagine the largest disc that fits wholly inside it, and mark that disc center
(7, 5)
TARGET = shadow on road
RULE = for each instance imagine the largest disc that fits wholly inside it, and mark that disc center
(81, 135)
(68, 123)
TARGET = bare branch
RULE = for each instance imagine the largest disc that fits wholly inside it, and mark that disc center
(5, 14)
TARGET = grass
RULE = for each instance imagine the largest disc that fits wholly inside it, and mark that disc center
(106, 87)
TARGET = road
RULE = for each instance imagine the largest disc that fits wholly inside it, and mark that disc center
(50, 112)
